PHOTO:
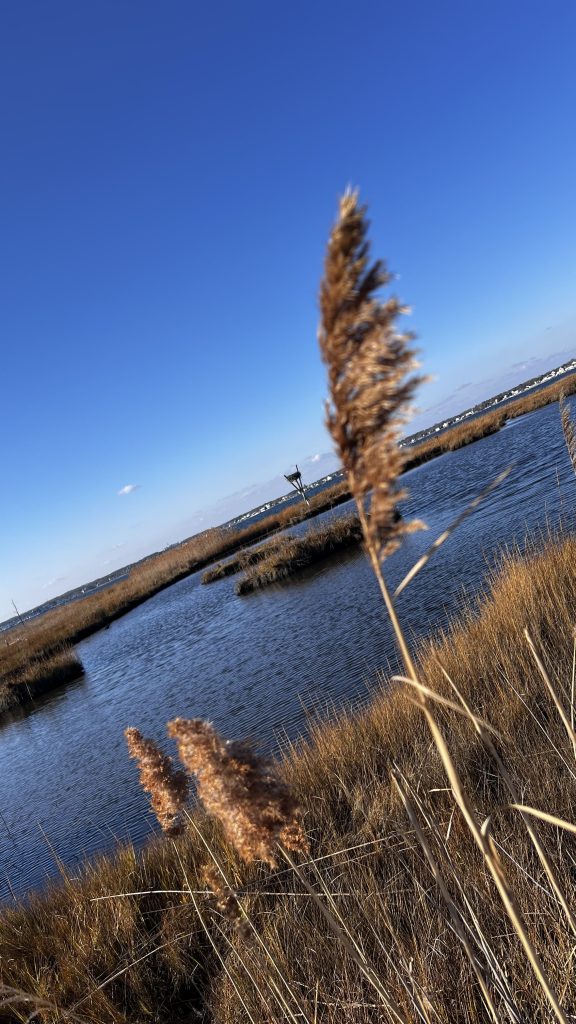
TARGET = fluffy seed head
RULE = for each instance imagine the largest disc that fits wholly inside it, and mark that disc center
(368, 366)
(167, 786)
(256, 809)
(569, 430)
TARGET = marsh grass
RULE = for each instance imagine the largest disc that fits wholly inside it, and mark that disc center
(38, 644)
(36, 657)
(291, 555)
(285, 555)
(487, 423)
(38, 674)
(242, 561)
(365, 853)
(568, 429)
(436, 876)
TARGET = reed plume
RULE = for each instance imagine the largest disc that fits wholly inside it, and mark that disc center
(368, 363)
(568, 429)
(167, 786)
(256, 809)
(368, 366)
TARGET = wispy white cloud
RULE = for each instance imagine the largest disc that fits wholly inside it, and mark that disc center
(315, 458)
(53, 582)
(128, 489)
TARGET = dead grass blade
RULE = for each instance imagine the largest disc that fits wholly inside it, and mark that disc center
(450, 530)
(349, 944)
(507, 780)
(551, 819)
(451, 906)
(479, 723)
(551, 690)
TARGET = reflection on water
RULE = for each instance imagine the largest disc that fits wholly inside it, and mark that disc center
(257, 665)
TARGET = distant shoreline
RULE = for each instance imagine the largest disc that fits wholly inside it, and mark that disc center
(497, 403)
(33, 654)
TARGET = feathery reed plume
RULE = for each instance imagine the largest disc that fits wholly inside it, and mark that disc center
(568, 429)
(167, 786)
(255, 808)
(368, 365)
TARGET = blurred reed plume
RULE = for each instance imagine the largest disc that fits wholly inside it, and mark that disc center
(256, 809)
(167, 786)
(368, 366)
(568, 429)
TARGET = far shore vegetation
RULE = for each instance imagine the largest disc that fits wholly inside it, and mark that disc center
(37, 655)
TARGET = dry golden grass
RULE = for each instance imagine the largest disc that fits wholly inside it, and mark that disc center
(36, 646)
(285, 555)
(254, 806)
(569, 430)
(366, 852)
(370, 364)
(289, 555)
(432, 892)
(42, 639)
(489, 423)
(243, 560)
(166, 786)
(39, 673)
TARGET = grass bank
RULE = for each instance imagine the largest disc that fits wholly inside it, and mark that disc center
(248, 556)
(284, 555)
(452, 438)
(33, 650)
(170, 955)
(42, 639)
(291, 554)
(242, 561)
(38, 675)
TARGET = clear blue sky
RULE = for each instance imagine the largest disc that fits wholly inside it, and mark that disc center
(168, 177)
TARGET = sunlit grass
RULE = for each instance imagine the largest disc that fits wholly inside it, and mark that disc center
(63, 946)
(285, 555)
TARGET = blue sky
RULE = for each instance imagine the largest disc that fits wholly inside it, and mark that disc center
(169, 175)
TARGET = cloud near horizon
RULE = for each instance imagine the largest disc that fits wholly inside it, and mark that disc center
(53, 582)
(128, 489)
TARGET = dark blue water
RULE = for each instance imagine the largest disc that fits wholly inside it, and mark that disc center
(258, 665)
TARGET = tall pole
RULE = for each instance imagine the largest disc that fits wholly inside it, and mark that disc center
(296, 480)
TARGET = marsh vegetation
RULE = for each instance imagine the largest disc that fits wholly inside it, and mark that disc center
(33, 655)
(410, 862)
(150, 956)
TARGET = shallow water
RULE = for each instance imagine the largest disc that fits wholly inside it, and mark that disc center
(258, 665)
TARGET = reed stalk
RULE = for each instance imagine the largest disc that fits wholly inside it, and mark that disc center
(368, 364)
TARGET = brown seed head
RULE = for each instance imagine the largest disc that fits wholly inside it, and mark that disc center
(226, 900)
(168, 787)
(569, 430)
(255, 808)
(368, 365)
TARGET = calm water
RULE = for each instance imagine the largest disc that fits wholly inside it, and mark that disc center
(259, 665)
